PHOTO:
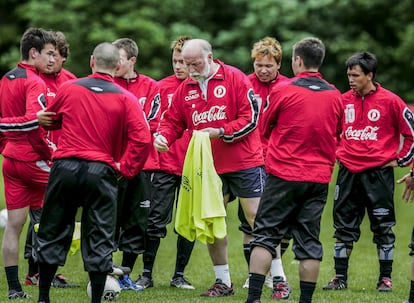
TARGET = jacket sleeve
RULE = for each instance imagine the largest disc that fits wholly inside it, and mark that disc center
(248, 110)
(270, 114)
(22, 123)
(152, 107)
(138, 140)
(406, 126)
(174, 122)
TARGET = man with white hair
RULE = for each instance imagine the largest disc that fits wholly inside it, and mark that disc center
(219, 99)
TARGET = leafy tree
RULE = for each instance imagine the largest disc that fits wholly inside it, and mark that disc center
(381, 26)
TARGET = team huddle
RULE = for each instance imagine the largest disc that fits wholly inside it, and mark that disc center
(114, 144)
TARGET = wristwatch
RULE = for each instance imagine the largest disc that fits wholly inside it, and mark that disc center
(221, 132)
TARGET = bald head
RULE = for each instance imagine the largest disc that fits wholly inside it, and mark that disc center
(198, 58)
(194, 47)
(105, 58)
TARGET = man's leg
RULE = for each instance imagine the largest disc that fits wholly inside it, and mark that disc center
(136, 205)
(260, 261)
(342, 254)
(348, 213)
(32, 277)
(46, 274)
(10, 250)
(308, 275)
(160, 215)
(219, 257)
(184, 250)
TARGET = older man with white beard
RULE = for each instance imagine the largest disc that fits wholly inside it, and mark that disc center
(219, 99)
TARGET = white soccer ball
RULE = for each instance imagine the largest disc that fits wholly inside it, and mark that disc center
(3, 218)
(111, 291)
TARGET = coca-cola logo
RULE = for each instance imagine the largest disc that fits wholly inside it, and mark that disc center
(368, 133)
(50, 93)
(215, 113)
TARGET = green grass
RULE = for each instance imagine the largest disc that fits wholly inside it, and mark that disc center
(363, 272)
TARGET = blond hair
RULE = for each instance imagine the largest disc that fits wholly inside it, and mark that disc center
(267, 46)
(177, 45)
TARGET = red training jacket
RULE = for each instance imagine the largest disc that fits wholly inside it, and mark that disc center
(373, 126)
(22, 95)
(229, 103)
(103, 122)
(303, 124)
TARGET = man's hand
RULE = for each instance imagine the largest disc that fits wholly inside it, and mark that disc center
(213, 133)
(408, 193)
(45, 118)
(161, 143)
(392, 163)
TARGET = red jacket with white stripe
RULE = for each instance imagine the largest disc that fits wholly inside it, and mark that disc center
(22, 95)
(229, 103)
(372, 130)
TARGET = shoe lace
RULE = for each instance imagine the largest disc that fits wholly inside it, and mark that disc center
(281, 286)
(386, 282)
(217, 288)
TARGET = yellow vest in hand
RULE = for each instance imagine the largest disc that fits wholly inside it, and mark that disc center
(200, 209)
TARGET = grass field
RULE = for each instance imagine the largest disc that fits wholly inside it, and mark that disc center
(363, 272)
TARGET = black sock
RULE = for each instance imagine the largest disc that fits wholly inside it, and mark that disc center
(184, 250)
(341, 267)
(33, 267)
(283, 247)
(411, 297)
(46, 274)
(246, 252)
(306, 291)
(98, 280)
(129, 259)
(255, 287)
(385, 268)
(149, 256)
(12, 275)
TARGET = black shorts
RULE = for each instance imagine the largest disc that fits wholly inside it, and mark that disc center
(247, 183)
(134, 198)
(295, 206)
(77, 183)
(371, 191)
(165, 187)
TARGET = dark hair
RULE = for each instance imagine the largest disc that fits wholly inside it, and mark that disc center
(128, 45)
(35, 38)
(62, 44)
(311, 50)
(366, 60)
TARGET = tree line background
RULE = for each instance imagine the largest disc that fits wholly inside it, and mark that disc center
(383, 27)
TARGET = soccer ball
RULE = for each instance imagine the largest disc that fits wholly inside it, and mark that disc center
(111, 291)
(3, 218)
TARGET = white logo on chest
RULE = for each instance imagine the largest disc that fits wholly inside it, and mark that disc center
(215, 113)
